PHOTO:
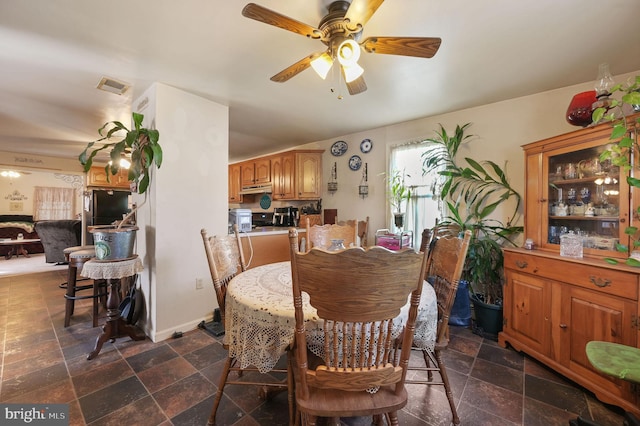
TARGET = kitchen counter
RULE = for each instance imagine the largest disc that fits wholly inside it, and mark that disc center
(270, 230)
(267, 244)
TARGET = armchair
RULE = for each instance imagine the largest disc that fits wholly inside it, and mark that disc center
(57, 235)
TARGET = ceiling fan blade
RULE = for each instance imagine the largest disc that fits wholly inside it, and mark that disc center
(262, 14)
(360, 11)
(295, 69)
(356, 86)
(422, 47)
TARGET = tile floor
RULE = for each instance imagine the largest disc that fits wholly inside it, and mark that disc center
(173, 382)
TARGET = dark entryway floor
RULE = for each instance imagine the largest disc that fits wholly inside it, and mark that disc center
(173, 382)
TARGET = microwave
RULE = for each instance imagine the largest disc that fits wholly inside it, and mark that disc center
(242, 218)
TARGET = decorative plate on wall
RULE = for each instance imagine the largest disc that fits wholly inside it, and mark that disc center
(366, 145)
(339, 148)
(355, 162)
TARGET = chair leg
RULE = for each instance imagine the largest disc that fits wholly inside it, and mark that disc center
(393, 418)
(447, 386)
(290, 389)
(221, 384)
(71, 292)
(427, 363)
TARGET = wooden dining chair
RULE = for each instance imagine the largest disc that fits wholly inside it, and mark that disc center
(362, 229)
(226, 260)
(356, 376)
(446, 257)
(321, 236)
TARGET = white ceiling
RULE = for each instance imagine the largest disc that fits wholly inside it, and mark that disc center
(54, 52)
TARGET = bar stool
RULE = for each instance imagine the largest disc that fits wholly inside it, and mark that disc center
(66, 253)
(77, 259)
(615, 360)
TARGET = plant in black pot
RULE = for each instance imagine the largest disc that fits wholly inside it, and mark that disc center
(399, 194)
(473, 193)
(139, 145)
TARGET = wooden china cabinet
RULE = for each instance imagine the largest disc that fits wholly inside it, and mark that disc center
(553, 304)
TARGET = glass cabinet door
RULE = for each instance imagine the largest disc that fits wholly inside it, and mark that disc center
(587, 197)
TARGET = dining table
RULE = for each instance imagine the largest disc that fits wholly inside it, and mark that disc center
(260, 317)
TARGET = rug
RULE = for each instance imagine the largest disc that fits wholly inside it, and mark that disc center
(21, 265)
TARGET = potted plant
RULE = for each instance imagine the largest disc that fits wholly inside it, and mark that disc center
(141, 144)
(471, 194)
(625, 153)
(399, 193)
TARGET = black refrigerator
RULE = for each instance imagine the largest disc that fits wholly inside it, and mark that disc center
(105, 207)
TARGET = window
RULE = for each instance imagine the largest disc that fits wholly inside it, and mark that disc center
(422, 209)
(53, 203)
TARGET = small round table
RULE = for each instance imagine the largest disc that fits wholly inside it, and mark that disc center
(113, 272)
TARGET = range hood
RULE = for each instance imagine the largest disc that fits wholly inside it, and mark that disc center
(258, 189)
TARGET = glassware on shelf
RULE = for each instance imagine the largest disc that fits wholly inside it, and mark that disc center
(571, 245)
(570, 171)
(604, 83)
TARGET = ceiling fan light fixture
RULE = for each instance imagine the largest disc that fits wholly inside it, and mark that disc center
(322, 64)
(348, 52)
(352, 72)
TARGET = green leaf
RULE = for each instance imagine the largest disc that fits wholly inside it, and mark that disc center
(143, 184)
(597, 115)
(618, 131)
(633, 262)
(611, 261)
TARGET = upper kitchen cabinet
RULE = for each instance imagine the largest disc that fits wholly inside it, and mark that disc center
(235, 183)
(293, 175)
(308, 174)
(256, 172)
(282, 176)
(97, 177)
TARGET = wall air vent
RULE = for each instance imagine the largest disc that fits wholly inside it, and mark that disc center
(114, 86)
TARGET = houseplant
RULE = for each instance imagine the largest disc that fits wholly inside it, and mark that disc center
(399, 193)
(471, 194)
(625, 153)
(141, 144)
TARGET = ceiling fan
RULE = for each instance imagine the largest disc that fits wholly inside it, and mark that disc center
(340, 30)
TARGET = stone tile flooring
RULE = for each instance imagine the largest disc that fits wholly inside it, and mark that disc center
(173, 382)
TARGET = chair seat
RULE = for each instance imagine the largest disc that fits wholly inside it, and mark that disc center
(352, 404)
(79, 255)
(69, 250)
(616, 360)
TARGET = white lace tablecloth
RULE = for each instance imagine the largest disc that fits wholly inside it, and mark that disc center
(98, 270)
(260, 322)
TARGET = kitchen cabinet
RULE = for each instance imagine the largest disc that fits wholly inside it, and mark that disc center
(308, 175)
(97, 177)
(554, 305)
(235, 183)
(256, 172)
(293, 175)
(282, 177)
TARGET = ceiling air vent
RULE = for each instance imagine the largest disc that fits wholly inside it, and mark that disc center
(114, 86)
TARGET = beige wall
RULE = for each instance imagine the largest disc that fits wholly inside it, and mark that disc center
(501, 129)
(188, 193)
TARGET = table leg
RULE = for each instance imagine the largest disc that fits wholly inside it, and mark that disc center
(10, 253)
(21, 251)
(115, 326)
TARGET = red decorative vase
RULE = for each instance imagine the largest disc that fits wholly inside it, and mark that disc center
(580, 108)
